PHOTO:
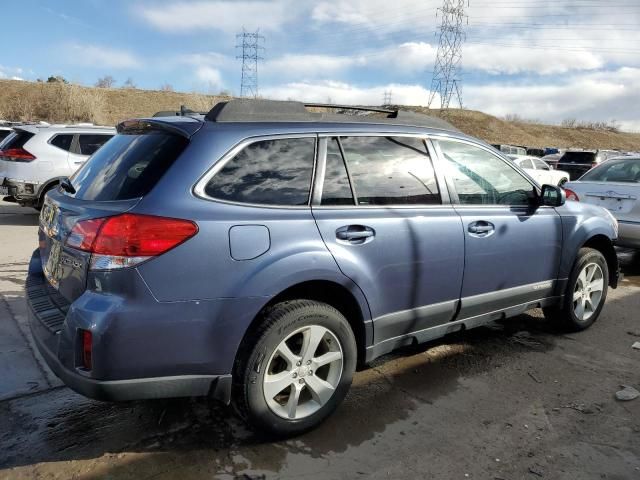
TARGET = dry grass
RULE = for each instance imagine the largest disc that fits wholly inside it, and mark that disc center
(64, 103)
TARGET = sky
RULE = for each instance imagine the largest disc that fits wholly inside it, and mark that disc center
(545, 60)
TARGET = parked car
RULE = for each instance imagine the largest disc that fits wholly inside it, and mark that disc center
(259, 253)
(552, 160)
(511, 149)
(614, 185)
(34, 158)
(578, 162)
(540, 171)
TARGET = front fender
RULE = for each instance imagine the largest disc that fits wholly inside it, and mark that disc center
(580, 223)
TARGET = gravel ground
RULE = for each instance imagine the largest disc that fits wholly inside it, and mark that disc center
(517, 400)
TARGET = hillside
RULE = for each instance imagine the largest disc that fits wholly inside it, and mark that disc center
(71, 103)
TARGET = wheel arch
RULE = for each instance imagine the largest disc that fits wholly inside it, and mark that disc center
(48, 185)
(604, 245)
(339, 296)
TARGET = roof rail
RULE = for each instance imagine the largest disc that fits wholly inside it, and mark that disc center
(350, 107)
(258, 110)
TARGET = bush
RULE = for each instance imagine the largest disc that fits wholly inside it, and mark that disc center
(57, 102)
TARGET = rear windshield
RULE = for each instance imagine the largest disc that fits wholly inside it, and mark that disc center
(615, 171)
(17, 139)
(127, 166)
(578, 157)
(4, 134)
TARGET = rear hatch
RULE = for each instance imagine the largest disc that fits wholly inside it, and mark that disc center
(577, 164)
(13, 154)
(110, 183)
(614, 185)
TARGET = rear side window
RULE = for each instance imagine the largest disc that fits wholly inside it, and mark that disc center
(540, 165)
(88, 144)
(390, 171)
(4, 134)
(62, 141)
(267, 172)
(526, 163)
(128, 166)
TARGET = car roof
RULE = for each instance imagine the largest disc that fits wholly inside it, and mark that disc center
(65, 128)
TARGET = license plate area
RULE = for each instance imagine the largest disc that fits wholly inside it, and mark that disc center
(53, 267)
(4, 191)
(613, 204)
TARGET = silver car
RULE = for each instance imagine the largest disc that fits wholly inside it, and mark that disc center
(614, 185)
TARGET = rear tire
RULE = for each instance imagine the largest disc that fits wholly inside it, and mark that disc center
(585, 294)
(295, 369)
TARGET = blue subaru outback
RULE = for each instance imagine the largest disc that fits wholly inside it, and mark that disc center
(258, 253)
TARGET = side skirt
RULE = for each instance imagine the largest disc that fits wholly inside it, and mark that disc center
(432, 333)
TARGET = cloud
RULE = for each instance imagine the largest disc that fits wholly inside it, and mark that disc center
(11, 73)
(209, 77)
(516, 60)
(604, 95)
(88, 55)
(186, 17)
(345, 93)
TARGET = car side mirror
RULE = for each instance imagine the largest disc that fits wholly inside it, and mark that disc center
(552, 196)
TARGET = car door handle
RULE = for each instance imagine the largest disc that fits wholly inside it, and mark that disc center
(355, 233)
(481, 228)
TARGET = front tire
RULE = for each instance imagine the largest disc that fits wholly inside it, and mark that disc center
(294, 371)
(586, 292)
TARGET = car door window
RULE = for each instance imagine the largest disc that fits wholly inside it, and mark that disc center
(540, 165)
(267, 172)
(481, 178)
(526, 163)
(336, 189)
(62, 141)
(390, 171)
(88, 144)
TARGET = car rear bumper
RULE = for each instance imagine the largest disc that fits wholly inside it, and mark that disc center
(24, 192)
(628, 234)
(218, 386)
(141, 348)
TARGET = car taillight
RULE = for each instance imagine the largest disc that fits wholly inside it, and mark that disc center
(128, 239)
(571, 195)
(87, 346)
(16, 155)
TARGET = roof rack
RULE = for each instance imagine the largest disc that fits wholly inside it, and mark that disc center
(183, 112)
(257, 110)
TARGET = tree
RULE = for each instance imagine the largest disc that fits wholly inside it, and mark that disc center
(166, 87)
(129, 83)
(106, 82)
(56, 79)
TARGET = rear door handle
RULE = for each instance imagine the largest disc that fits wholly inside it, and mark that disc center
(355, 233)
(481, 228)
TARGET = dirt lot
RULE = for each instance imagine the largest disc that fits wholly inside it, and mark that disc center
(513, 401)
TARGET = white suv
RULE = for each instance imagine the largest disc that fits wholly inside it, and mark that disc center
(34, 158)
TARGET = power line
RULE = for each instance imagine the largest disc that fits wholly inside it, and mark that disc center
(250, 43)
(445, 80)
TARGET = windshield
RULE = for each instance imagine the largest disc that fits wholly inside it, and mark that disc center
(615, 171)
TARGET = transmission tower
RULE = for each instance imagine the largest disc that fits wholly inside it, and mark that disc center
(446, 71)
(387, 97)
(250, 43)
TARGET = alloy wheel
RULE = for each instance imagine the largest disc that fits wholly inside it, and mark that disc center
(588, 291)
(303, 372)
